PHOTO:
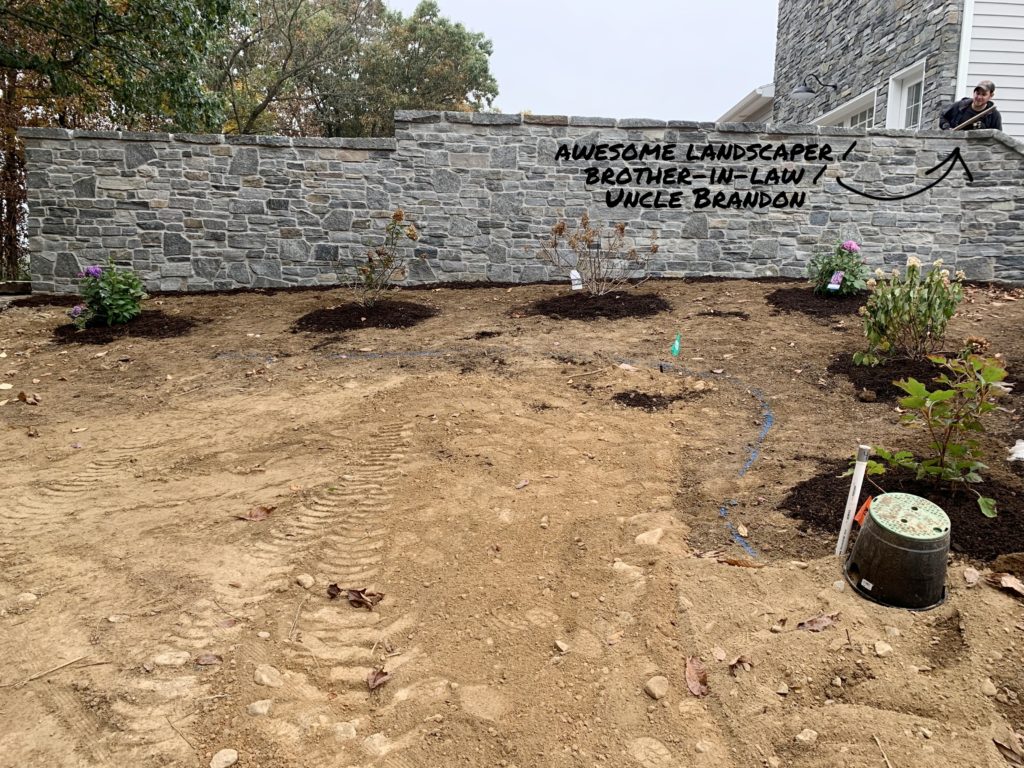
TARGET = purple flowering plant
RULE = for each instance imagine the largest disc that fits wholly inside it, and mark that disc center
(111, 296)
(844, 258)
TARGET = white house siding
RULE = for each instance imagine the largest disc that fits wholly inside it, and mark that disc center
(997, 54)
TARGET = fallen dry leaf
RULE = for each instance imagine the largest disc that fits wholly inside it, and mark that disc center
(696, 677)
(628, 367)
(256, 514)
(740, 562)
(209, 660)
(227, 623)
(1006, 581)
(360, 598)
(5, 385)
(971, 576)
(740, 662)
(333, 590)
(522, 484)
(79, 429)
(377, 677)
(719, 653)
(819, 623)
(742, 530)
(718, 370)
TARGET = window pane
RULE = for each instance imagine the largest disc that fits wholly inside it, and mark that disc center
(862, 119)
(912, 114)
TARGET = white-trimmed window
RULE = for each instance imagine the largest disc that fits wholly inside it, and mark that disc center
(906, 98)
(856, 113)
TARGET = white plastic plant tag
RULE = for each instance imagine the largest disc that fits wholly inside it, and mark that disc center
(577, 280)
(866, 584)
(836, 281)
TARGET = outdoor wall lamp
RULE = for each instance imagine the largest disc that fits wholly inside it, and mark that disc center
(804, 92)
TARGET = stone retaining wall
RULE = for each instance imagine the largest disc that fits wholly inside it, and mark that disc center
(202, 212)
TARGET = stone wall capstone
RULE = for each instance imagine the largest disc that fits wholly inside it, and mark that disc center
(205, 212)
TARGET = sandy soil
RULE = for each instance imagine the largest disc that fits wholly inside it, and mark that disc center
(542, 548)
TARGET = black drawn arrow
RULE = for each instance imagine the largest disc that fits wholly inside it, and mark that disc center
(952, 159)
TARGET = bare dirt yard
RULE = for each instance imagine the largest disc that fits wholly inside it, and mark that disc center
(558, 513)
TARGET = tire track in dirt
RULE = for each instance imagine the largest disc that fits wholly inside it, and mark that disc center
(339, 533)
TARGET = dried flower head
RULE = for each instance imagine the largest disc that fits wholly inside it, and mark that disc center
(411, 233)
(960, 275)
(913, 261)
(871, 283)
(398, 215)
(879, 273)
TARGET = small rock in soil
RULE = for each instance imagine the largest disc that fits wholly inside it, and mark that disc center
(268, 676)
(305, 581)
(703, 747)
(260, 708)
(650, 538)
(882, 649)
(989, 688)
(807, 736)
(657, 687)
(172, 659)
(562, 646)
(117, 618)
(782, 690)
(263, 635)
(26, 598)
(344, 731)
(224, 758)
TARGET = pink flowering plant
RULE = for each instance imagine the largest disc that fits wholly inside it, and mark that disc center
(111, 296)
(845, 258)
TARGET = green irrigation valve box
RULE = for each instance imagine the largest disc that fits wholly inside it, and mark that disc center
(899, 558)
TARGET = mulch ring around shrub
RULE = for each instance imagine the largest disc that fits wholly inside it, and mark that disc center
(612, 306)
(151, 324)
(819, 502)
(352, 316)
(803, 299)
(878, 379)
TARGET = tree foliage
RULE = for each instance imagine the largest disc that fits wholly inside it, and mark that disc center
(424, 61)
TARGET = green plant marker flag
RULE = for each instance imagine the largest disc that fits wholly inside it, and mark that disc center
(675, 345)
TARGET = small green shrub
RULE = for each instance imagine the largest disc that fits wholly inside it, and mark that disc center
(604, 262)
(385, 262)
(845, 258)
(112, 296)
(906, 316)
(951, 413)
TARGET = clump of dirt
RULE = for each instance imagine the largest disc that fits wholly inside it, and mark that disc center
(486, 334)
(611, 306)
(150, 324)
(819, 502)
(645, 402)
(880, 379)
(804, 300)
(350, 317)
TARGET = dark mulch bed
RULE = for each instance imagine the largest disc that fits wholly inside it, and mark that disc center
(724, 313)
(612, 306)
(151, 324)
(634, 399)
(801, 298)
(879, 378)
(349, 317)
(819, 503)
(46, 300)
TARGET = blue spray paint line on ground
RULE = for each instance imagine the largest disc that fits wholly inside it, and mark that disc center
(724, 512)
(767, 421)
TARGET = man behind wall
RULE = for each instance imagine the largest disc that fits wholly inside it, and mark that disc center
(965, 109)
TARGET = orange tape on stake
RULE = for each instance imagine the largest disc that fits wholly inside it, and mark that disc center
(859, 517)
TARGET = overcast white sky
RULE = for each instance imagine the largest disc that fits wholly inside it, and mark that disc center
(663, 59)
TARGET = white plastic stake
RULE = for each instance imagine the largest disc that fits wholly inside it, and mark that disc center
(851, 501)
(577, 280)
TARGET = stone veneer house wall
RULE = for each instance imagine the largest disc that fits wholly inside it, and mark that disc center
(875, 51)
(201, 212)
(897, 63)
